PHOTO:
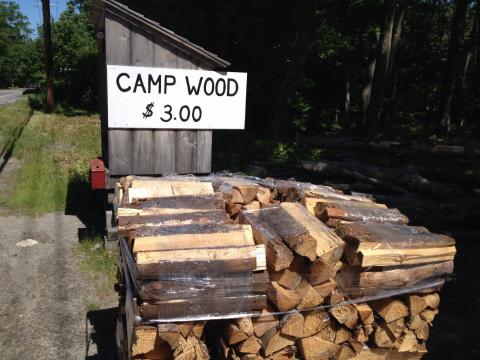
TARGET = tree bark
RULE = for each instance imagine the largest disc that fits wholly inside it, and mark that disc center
(366, 92)
(397, 34)
(454, 63)
(345, 27)
(291, 80)
(47, 37)
(468, 58)
(381, 67)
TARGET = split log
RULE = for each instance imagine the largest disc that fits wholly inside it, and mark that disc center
(375, 244)
(292, 325)
(274, 341)
(303, 233)
(352, 211)
(386, 354)
(170, 341)
(172, 205)
(311, 202)
(208, 287)
(392, 257)
(283, 299)
(151, 265)
(184, 308)
(314, 322)
(389, 309)
(315, 348)
(355, 281)
(148, 342)
(149, 189)
(279, 256)
(239, 191)
(126, 224)
(193, 236)
(264, 196)
(264, 323)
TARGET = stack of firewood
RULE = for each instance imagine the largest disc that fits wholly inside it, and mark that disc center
(393, 328)
(185, 260)
(390, 260)
(347, 277)
(382, 252)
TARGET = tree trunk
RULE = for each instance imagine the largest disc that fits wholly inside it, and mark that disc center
(345, 26)
(47, 36)
(291, 80)
(366, 92)
(467, 67)
(454, 63)
(397, 34)
(381, 67)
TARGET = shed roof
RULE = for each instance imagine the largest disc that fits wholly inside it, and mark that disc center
(101, 7)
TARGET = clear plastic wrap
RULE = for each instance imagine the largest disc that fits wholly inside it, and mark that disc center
(357, 211)
(204, 275)
(169, 291)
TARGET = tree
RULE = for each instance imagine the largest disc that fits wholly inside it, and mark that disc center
(14, 38)
(381, 68)
(454, 63)
(75, 57)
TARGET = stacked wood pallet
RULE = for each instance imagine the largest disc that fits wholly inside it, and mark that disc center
(395, 327)
(186, 260)
(347, 277)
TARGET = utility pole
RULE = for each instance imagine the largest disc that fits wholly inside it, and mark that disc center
(47, 37)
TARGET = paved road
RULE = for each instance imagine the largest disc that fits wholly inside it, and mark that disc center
(10, 95)
(44, 295)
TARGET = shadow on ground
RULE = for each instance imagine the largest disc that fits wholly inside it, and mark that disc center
(7, 150)
(100, 330)
(87, 205)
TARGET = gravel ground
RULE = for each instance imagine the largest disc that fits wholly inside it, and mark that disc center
(45, 295)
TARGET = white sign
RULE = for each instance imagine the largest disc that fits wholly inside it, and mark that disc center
(161, 98)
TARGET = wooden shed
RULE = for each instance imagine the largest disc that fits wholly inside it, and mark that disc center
(126, 37)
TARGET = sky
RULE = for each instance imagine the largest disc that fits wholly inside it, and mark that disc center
(33, 10)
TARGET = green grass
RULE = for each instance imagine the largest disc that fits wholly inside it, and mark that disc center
(100, 264)
(54, 151)
(11, 118)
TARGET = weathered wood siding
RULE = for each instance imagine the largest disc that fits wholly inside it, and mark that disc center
(144, 151)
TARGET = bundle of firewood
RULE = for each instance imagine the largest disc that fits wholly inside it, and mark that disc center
(382, 252)
(388, 260)
(393, 328)
(347, 278)
(186, 260)
(302, 254)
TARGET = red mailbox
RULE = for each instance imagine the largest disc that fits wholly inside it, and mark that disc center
(97, 174)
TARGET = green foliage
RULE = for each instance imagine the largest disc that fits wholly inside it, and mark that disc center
(100, 265)
(75, 59)
(297, 54)
(14, 45)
